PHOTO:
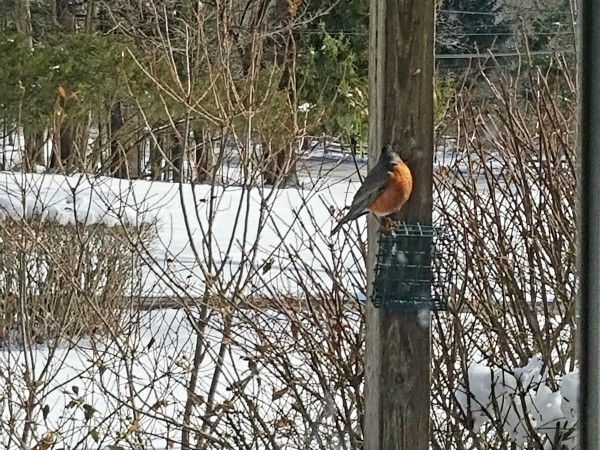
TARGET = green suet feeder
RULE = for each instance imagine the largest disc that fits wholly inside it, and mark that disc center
(414, 269)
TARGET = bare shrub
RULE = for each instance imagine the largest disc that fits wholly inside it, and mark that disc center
(63, 280)
(509, 197)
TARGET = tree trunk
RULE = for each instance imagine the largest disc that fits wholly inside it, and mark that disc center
(282, 166)
(67, 143)
(125, 157)
(118, 158)
(82, 157)
(269, 165)
(63, 156)
(61, 148)
(33, 155)
(23, 19)
(65, 18)
(204, 150)
(177, 150)
(133, 163)
(32, 139)
(156, 157)
(286, 166)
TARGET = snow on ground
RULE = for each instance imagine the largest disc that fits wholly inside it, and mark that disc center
(67, 200)
(182, 216)
(298, 220)
(96, 376)
(90, 391)
(291, 229)
(297, 223)
(521, 399)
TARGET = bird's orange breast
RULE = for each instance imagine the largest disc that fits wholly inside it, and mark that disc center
(395, 194)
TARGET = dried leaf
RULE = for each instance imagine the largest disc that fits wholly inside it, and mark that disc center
(239, 385)
(159, 404)
(266, 348)
(197, 399)
(49, 438)
(94, 434)
(267, 266)
(253, 367)
(45, 411)
(135, 426)
(282, 423)
(297, 406)
(295, 330)
(280, 393)
(88, 411)
(71, 404)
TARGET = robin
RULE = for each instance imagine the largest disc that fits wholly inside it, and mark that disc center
(384, 191)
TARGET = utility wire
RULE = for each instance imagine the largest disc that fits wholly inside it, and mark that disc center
(458, 34)
(475, 13)
(489, 33)
(500, 54)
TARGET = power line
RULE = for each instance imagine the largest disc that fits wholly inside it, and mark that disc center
(545, 33)
(457, 34)
(500, 54)
(474, 55)
(479, 13)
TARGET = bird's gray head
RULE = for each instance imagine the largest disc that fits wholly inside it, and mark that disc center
(389, 156)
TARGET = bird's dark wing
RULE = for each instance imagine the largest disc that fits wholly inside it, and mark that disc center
(374, 183)
(362, 200)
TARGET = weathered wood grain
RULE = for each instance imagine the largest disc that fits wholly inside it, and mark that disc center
(398, 354)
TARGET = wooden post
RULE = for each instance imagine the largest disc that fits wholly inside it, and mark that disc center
(589, 225)
(398, 344)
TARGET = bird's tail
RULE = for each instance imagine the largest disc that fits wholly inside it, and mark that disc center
(338, 227)
(347, 218)
(352, 215)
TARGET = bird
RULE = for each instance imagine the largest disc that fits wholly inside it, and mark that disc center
(385, 189)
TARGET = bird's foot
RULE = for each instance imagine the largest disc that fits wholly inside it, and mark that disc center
(387, 223)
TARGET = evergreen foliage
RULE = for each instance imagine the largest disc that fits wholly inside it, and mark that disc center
(478, 25)
(333, 69)
(95, 68)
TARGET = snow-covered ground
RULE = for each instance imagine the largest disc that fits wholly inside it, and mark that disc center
(295, 221)
(93, 396)
(132, 389)
(521, 400)
(91, 386)
(181, 217)
(87, 386)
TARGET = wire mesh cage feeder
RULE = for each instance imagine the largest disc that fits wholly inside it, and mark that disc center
(415, 268)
